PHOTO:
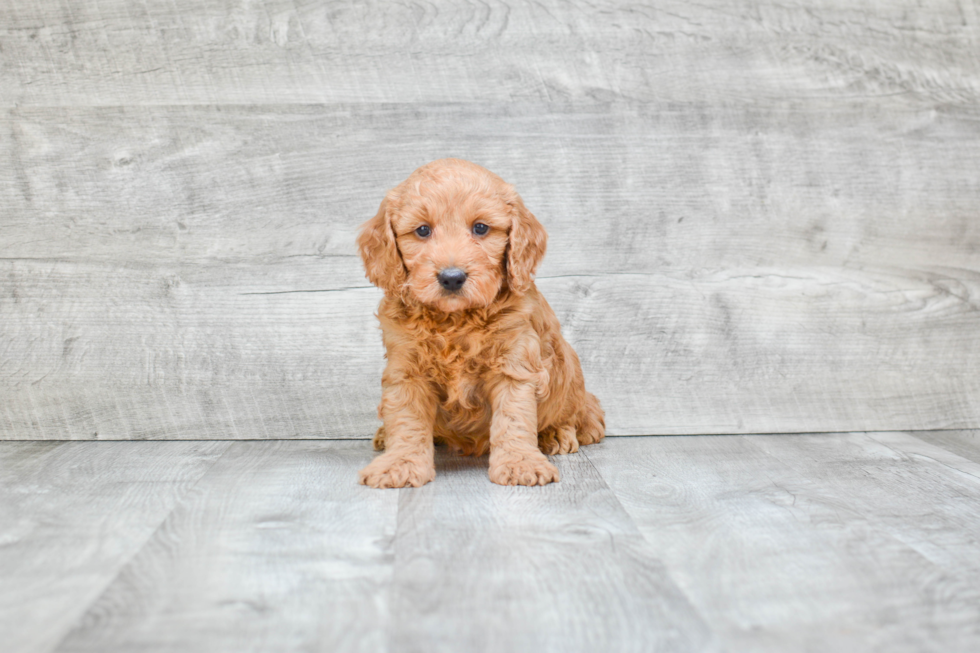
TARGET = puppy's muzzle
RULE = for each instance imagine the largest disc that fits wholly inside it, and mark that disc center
(452, 279)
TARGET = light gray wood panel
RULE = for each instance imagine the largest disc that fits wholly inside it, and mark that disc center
(964, 443)
(776, 350)
(835, 290)
(920, 494)
(280, 550)
(187, 352)
(219, 51)
(480, 567)
(622, 188)
(71, 516)
(848, 542)
(183, 353)
(811, 542)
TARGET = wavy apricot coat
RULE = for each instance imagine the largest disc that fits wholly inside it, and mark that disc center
(484, 368)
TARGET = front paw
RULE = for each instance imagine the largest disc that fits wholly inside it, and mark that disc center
(391, 470)
(530, 468)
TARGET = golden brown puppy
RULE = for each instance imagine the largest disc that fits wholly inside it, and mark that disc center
(475, 354)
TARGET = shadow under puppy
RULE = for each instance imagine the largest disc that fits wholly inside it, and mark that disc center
(475, 354)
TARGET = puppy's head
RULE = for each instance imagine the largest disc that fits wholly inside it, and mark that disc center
(452, 236)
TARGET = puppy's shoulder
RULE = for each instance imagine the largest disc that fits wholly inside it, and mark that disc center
(539, 313)
(400, 325)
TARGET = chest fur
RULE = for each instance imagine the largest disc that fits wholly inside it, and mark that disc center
(457, 364)
(459, 355)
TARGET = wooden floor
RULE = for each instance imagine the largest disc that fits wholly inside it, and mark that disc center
(825, 542)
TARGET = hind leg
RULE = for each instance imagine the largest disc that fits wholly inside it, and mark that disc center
(558, 440)
(591, 421)
(379, 439)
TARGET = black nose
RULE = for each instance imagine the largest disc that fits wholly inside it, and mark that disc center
(452, 278)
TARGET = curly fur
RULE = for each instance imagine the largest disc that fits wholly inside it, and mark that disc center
(483, 368)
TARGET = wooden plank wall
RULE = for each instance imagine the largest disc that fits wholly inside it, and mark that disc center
(762, 217)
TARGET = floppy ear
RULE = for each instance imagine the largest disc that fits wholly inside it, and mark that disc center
(382, 262)
(525, 249)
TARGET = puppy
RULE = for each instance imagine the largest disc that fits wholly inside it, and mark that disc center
(476, 359)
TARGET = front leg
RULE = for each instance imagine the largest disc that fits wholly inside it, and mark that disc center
(409, 410)
(514, 455)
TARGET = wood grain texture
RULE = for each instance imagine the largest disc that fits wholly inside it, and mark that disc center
(850, 542)
(740, 350)
(964, 443)
(811, 542)
(188, 353)
(186, 272)
(224, 52)
(630, 187)
(480, 567)
(71, 517)
(278, 550)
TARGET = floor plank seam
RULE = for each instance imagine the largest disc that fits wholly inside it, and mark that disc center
(647, 547)
(139, 549)
(390, 644)
(922, 456)
(367, 438)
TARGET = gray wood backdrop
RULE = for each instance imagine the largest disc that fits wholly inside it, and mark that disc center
(762, 217)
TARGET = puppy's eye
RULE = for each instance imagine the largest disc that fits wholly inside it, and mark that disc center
(480, 229)
(423, 231)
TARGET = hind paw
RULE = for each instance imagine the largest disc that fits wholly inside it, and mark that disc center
(558, 440)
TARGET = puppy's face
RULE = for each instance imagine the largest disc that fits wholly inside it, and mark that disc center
(452, 236)
(452, 242)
